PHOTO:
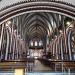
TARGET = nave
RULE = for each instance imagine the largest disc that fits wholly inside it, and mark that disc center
(37, 37)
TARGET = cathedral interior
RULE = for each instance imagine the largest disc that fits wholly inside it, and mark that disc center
(37, 36)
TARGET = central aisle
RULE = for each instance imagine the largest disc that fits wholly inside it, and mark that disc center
(38, 66)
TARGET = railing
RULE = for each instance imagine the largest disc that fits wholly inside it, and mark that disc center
(63, 66)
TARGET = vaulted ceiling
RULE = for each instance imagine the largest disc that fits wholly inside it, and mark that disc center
(37, 24)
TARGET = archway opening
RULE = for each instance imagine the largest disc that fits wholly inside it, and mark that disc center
(38, 34)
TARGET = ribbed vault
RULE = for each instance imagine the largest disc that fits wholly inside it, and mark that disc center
(37, 25)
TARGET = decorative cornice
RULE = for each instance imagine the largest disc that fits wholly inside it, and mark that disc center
(28, 6)
(26, 1)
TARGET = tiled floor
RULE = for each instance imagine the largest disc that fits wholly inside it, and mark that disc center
(38, 66)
